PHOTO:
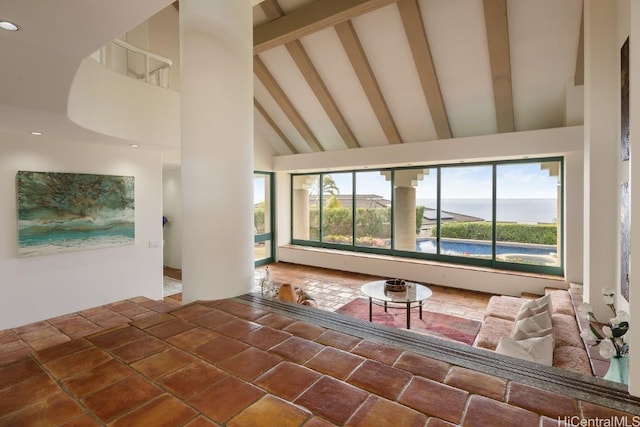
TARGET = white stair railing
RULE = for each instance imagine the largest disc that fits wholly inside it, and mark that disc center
(135, 62)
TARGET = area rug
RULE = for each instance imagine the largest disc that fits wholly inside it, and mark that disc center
(435, 324)
(170, 286)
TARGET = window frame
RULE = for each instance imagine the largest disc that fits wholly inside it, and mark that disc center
(269, 236)
(438, 256)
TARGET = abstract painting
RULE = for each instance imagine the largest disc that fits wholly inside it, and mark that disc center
(624, 101)
(65, 212)
(625, 239)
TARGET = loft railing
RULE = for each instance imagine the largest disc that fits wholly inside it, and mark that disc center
(135, 62)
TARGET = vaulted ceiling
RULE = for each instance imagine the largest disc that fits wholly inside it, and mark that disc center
(340, 74)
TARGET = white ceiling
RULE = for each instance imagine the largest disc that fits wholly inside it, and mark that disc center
(543, 38)
(39, 63)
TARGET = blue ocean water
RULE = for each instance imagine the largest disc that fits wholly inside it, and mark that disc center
(512, 210)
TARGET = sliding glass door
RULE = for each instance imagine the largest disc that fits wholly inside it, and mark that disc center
(263, 246)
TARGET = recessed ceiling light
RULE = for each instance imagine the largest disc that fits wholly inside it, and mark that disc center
(9, 26)
(36, 133)
(133, 145)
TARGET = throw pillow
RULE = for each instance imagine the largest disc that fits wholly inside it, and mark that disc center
(535, 306)
(532, 324)
(521, 335)
(537, 349)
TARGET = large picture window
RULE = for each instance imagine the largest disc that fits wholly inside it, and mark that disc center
(502, 214)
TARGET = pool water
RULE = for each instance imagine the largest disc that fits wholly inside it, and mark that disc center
(466, 248)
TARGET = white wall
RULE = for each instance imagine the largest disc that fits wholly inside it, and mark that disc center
(634, 176)
(565, 141)
(164, 39)
(104, 101)
(172, 209)
(43, 287)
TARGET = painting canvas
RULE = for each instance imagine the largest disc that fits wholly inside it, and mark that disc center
(624, 100)
(625, 239)
(64, 212)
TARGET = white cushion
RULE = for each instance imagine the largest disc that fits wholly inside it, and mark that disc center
(537, 349)
(533, 326)
(535, 306)
(538, 302)
(521, 335)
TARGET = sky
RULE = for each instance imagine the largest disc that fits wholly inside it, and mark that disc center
(515, 181)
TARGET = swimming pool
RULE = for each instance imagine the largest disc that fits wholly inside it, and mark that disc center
(466, 248)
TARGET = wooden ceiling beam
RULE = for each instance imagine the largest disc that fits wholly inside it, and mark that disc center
(272, 10)
(274, 126)
(308, 19)
(497, 28)
(419, 44)
(308, 70)
(285, 104)
(362, 67)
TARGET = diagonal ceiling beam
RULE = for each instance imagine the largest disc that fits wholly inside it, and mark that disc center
(414, 28)
(274, 126)
(579, 75)
(315, 16)
(497, 27)
(314, 80)
(272, 10)
(360, 63)
(285, 104)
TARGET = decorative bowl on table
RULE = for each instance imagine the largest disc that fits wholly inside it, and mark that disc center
(395, 285)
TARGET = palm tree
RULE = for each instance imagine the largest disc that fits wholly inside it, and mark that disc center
(329, 186)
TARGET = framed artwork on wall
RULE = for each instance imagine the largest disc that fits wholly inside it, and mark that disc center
(624, 100)
(65, 212)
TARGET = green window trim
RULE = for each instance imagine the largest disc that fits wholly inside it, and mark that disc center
(492, 262)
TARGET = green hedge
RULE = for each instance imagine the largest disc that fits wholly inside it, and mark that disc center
(373, 222)
(258, 220)
(542, 234)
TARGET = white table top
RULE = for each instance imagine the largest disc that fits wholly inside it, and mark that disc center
(415, 292)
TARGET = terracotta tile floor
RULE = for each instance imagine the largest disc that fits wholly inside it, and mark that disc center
(225, 363)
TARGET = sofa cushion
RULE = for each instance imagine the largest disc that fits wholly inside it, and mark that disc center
(561, 302)
(572, 359)
(503, 307)
(566, 331)
(536, 349)
(491, 331)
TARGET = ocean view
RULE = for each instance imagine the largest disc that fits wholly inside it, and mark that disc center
(512, 210)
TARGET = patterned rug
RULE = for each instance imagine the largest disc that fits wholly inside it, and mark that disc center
(434, 324)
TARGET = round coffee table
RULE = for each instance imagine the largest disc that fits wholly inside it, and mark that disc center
(412, 297)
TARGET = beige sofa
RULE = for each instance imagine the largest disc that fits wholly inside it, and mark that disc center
(569, 351)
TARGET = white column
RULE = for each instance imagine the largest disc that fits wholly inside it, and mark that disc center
(217, 148)
(405, 218)
(301, 214)
(404, 200)
(601, 155)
